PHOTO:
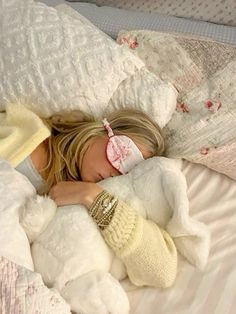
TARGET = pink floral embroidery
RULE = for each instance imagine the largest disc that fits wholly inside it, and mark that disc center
(31, 289)
(133, 45)
(117, 152)
(129, 41)
(212, 105)
(181, 107)
(204, 150)
(53, 300)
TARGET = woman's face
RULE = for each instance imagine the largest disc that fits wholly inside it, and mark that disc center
(95, 165)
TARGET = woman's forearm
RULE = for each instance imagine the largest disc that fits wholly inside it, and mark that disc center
(147, 251)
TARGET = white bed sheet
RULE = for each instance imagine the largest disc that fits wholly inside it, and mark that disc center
(213, 201)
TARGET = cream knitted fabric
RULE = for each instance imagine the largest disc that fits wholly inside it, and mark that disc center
(21, 131)
(148, 252)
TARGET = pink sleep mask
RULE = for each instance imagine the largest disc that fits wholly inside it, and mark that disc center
(122, 152)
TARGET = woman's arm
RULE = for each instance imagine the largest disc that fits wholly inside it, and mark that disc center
(147, 251)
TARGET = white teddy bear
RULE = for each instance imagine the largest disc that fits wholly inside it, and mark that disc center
(71, 255)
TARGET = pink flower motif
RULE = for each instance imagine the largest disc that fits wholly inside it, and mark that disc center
(181, 107)
(122, 40)
(133, 45)
(129, 41)
(117, 151)
(53, 300)
(204, 150)
(212, 105)
(208, 104)
(31, 289)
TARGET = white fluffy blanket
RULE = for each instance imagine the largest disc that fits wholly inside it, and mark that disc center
(21, 289)
(69, 251)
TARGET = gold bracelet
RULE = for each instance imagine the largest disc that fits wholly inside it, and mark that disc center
(103, 208)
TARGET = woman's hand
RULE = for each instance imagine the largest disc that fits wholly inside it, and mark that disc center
(71, 192)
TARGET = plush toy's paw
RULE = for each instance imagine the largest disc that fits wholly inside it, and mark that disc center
(96, 292)
(36, 214)
(192, 239)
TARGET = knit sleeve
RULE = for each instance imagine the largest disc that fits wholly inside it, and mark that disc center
(147, 251)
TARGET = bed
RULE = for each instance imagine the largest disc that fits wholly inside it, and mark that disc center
(212, 194)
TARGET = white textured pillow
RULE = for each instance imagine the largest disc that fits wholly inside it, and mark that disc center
(149, 93)
(52, 62)
(143, 90)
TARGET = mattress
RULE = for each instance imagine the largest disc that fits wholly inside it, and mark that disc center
(112, 20)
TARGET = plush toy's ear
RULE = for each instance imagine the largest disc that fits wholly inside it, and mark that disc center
(36, 214)
(96, 292)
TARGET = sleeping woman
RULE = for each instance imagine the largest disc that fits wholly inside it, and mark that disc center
(66, 155)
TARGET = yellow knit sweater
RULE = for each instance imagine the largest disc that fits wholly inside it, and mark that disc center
(147, 251)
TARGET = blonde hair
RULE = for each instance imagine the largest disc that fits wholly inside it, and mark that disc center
(72, 133)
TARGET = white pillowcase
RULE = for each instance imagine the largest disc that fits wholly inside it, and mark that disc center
(143, 90)
(52, 62)
(147, 92)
